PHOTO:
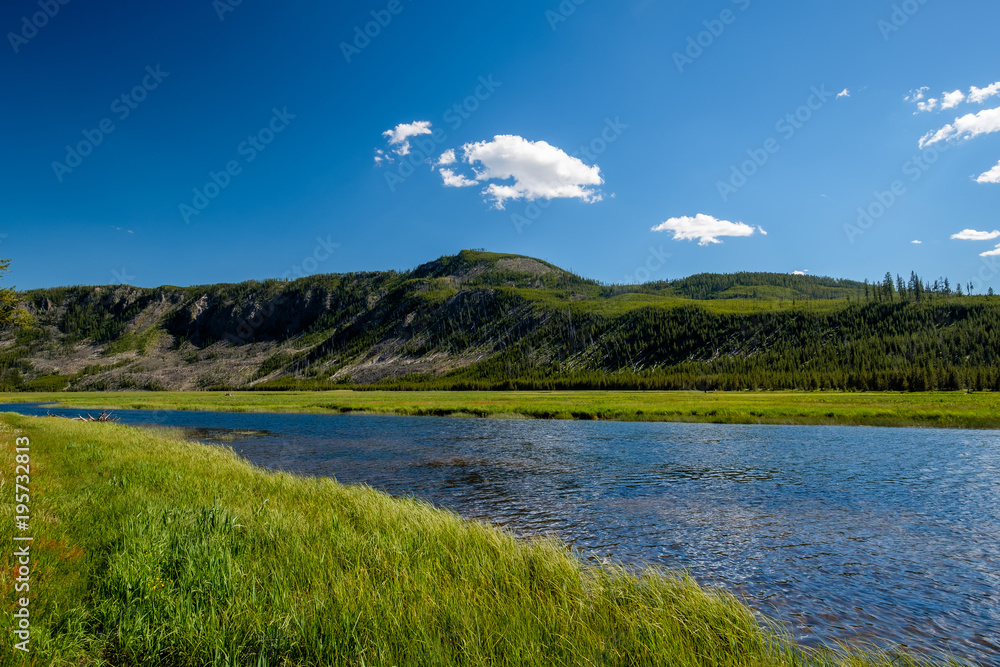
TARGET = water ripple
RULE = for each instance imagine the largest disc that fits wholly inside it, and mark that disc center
(856, 534)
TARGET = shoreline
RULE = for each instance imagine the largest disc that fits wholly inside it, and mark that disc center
(157, 538)
(942, 410)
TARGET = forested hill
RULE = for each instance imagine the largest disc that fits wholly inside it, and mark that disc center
(485, 320)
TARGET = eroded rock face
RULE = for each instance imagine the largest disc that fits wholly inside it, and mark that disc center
(365, 327)
(525, 265)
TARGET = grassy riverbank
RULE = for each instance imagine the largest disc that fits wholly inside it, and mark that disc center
(931, 409)
(155, 551)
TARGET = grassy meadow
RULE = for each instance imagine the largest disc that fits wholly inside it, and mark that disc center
(929, 409)
(150, 550)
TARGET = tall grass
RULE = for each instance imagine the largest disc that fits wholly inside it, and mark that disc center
(154, 551)
(927, 409)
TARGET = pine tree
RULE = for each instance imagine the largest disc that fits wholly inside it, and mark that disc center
(10, 309)
(887, 286)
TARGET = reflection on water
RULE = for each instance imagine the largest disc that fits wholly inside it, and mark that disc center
(844, 533)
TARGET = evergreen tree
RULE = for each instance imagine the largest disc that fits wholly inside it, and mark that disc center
(11, 312)
(887, 286)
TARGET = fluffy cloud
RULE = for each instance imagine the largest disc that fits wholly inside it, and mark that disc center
(915, 242)
(952, 99)
(966, 127)
(991, 176)
(980, 95)
(400, 135)
(919, 97)
(448, 157)
(800, 273)
(538, 169)
(991, 253)
(524, 169)
(929, 105)
(448, 175)
(973, 235)
(705, 228)
(453, 180)
(844, 93)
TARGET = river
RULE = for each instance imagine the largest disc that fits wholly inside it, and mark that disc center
(844, 533)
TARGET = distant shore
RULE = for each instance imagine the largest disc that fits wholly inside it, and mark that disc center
(979, 410)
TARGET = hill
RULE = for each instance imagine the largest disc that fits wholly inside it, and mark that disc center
(481, 320)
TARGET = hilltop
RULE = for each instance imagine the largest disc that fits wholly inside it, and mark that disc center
(482, 320)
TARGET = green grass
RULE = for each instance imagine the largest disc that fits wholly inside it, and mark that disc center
(155, 551)
(588, 300)
(142, 342)
(931, 409)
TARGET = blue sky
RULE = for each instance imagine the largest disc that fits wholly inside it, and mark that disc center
(258, 139)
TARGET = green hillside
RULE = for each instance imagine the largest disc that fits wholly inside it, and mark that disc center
(481, 320)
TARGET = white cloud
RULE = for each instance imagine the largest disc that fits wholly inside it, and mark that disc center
(539, 171)
(844, 93)
(991, 253)
(952, 99)
(973, 235)
(448, 157)
(761, 230)
(991, 176)
(966, 127)
(453, 180)
(800, 273)
(919, 97)
(703, 227)
(916, 242)
(400, 135)
(980, 95)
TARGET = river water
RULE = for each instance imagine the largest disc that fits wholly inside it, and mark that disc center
(844, 533)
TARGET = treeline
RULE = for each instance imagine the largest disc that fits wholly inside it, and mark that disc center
(982, 379)
(707, 286)
(914, 289)
(903, 345)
